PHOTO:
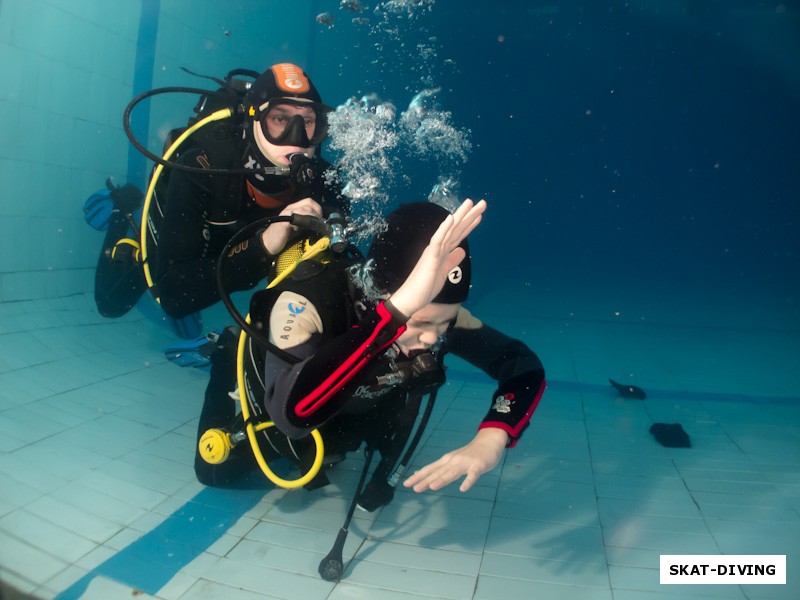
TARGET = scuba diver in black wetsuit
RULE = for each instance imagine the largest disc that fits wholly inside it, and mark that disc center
(119, 280)
(261, 160)
(284, 124)
(359, 344)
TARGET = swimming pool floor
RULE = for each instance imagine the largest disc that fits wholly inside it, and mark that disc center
(98, 494)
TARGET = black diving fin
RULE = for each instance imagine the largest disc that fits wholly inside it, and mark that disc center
(629, 391)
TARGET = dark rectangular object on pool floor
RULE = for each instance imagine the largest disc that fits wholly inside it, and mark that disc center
(671, 435)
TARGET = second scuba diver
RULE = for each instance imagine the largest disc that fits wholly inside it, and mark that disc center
(283, 126)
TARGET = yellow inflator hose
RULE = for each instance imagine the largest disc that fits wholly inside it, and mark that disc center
(251, 430)
(215, 116)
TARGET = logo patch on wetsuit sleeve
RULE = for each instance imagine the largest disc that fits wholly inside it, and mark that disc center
(293, 320)
(502, 404)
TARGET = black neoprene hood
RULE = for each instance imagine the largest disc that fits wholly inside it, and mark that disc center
(396, 251)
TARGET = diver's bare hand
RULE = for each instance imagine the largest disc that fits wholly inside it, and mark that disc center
(480, 456)
(276, 235)
(440, 257)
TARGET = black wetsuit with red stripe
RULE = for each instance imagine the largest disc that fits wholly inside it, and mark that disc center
(335, 379)
(334, 384)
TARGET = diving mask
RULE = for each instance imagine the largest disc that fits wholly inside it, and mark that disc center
(293, 123)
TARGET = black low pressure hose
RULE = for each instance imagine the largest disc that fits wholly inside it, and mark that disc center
(308, 222)
(126, 125)
(332, 566)
(256, 335)
(423, 423)
(387, 474)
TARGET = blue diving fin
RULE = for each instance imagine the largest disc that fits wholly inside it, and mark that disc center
(97, 209)
(193, 353)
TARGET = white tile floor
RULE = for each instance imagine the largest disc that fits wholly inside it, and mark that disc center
(98, 494)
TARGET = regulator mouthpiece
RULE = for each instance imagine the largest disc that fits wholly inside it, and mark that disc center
(423, 371)
(302, 170)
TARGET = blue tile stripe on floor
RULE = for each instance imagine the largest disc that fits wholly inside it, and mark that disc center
(150, 562)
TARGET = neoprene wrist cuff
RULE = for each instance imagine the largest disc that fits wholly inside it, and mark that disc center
(396, 314)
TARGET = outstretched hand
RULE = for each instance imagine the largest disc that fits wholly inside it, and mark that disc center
(440, 257)
(473, 460)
